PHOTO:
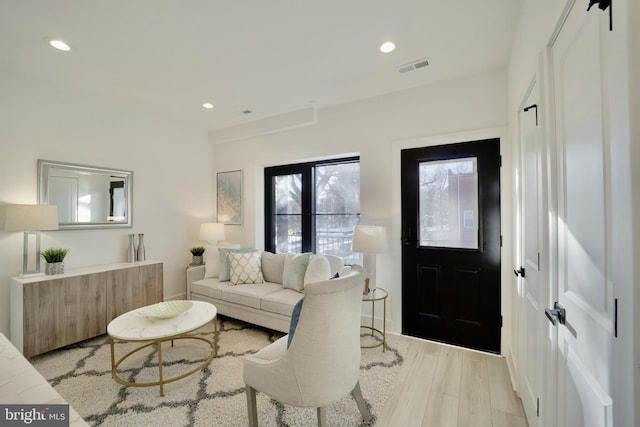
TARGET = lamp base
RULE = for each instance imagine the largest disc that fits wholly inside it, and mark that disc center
(25, 256)
(369, 264)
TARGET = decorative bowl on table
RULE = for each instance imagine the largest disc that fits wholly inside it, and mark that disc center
(166, 309)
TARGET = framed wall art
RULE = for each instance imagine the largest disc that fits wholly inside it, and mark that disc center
(229, 201)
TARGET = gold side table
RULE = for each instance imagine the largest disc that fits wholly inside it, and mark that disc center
(377, 294)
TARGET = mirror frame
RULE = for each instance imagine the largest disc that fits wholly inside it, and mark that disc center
(44, 167)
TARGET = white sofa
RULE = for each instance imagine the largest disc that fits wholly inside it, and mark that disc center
(267, 304)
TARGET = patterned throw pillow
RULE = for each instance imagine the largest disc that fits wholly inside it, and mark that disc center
(225, 266)
(245, 268)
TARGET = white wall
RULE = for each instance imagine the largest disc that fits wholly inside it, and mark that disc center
(374, 129)
(172, 175)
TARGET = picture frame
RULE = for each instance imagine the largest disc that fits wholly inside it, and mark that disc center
(229, 197)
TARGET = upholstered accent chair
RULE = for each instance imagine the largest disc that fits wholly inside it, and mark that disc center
(322, 363)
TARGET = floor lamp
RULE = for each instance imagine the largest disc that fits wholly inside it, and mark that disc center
(369, 240)
(32, 219)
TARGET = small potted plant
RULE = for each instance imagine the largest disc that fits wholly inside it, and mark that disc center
(55, 260)
(196, 253)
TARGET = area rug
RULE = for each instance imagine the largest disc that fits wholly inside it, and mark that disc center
(214, 396)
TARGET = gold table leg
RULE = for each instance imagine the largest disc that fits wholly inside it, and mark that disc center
(215, 336)
(382, 333)
(159, 348)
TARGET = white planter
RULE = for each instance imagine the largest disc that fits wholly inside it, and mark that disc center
(54, 268)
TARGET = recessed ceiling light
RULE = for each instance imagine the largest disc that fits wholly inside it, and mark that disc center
(60, 45)
(387, 47)
(207, 105)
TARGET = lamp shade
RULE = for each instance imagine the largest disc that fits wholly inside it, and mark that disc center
(212, 231)
(369, 239)
(31, 218)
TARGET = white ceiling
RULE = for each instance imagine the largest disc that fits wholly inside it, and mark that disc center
(269, 56)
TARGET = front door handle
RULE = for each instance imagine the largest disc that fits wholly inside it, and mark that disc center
(557, 315)
(519, 272)
(406, 236)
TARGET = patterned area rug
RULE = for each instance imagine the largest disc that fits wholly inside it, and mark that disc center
(213, 396)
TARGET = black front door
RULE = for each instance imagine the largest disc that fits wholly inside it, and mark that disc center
(451, 243)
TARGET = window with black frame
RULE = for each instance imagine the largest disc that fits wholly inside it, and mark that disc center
(312, 207)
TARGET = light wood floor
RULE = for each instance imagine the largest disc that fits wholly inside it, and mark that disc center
(445, 386)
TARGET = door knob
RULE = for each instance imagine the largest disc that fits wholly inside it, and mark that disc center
(519, 272)
(556, 315)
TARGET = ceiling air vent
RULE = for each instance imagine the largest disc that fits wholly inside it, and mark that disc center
(415, 65)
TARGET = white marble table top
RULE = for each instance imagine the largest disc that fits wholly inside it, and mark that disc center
(21, 383)
(136, 326)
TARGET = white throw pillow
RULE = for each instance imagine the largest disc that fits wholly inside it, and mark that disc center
(318, 269)
(212, 260)
(245, 268)
(295, 267)
(273, 267)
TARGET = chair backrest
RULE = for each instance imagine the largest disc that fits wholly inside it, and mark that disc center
(335, 263)
(325, 350)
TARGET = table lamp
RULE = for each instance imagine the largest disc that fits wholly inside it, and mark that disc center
(369, 240)
(212, 232)
(31, 219)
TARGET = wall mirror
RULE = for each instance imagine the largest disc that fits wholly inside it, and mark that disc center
(86, 196)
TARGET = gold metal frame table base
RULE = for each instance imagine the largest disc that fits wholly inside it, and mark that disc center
(373, 331)
(373, 295)
(158, 342)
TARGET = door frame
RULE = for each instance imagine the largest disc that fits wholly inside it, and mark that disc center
(506, 174)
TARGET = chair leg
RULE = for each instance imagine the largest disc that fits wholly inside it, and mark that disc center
(357, 395)
(322, 416)
(252, 408)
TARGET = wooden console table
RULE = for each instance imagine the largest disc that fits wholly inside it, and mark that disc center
(49, 312)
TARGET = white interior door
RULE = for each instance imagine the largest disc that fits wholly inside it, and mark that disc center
(63, 192)
(584, 245)
(534, 287)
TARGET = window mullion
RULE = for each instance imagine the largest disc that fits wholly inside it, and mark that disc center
(308, 197)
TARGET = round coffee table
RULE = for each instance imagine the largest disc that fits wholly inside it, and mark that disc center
(136, 326)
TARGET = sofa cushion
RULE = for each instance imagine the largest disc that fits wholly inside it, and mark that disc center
(225, 266)
(212, 260)
(273, 266)
(295, 266)
(317, 270)
(280, 302)
(210, 287)
(249, 295)
(245, 268)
